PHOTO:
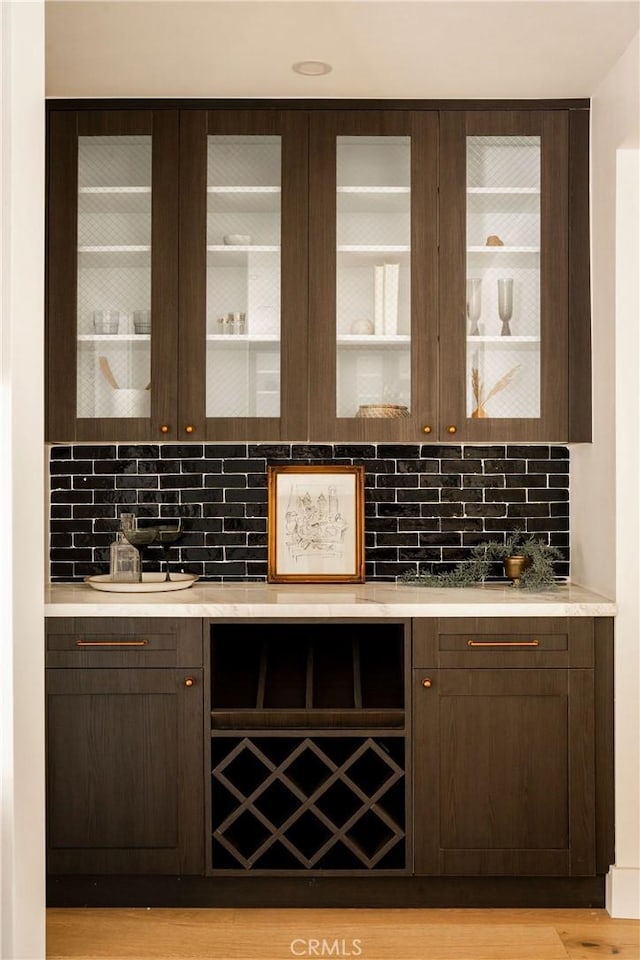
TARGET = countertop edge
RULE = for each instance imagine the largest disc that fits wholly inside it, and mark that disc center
(357, 601)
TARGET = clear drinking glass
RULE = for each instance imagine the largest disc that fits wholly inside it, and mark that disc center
(474, 304)
(106, 322)
(142, 321)
(505, 304)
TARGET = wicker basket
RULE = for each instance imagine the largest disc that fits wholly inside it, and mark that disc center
(382, 411)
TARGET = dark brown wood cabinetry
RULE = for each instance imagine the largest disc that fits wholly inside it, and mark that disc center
(124, 747)
(289, 130)
(337, 265)
(510, 211)
(507, 772)
(468, 751)
(111, 245)
(307, 360)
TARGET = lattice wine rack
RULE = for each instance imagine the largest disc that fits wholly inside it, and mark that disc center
(308, 748)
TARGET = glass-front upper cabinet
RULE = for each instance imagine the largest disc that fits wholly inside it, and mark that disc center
(503, 277)
(373, 292)
(244, 248)
(113, 295)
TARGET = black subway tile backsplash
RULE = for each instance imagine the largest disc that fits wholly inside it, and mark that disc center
(426, 505)
(138, 452)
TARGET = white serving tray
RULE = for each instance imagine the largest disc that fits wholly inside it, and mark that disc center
(151, 583)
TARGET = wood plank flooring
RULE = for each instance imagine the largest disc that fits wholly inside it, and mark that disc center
(259, 934)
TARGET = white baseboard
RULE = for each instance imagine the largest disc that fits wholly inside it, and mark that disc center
(623, 893)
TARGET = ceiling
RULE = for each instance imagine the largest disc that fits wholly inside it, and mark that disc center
(378, 48)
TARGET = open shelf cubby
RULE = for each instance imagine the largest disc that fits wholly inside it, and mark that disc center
(307, 675)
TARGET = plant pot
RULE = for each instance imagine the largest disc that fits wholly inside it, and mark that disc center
(514, 567)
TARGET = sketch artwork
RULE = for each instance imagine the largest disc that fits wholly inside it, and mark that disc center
(314, 524)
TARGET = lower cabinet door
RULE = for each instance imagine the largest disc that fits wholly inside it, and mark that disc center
(125, 771)
(504, 772)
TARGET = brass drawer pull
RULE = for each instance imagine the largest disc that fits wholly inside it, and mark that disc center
(111, 643)
(503, 643)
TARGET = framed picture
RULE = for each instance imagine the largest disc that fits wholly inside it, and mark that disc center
(316, 524)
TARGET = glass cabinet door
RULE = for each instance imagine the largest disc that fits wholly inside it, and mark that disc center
(507, 326)
(244, 193)
(503, 277)
(373, 300)
(113, 294)
(243, 351)
(373, 288)
(114, 277)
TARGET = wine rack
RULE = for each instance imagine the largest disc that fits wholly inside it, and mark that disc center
(308, 751)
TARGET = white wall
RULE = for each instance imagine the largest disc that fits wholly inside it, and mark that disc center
(605, 476)
(21, 482)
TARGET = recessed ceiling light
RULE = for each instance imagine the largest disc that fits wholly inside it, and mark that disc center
(312, 68)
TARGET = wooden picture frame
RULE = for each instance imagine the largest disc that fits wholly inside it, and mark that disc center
(316, 524)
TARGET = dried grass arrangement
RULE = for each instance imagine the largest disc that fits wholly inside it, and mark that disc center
(480, 397)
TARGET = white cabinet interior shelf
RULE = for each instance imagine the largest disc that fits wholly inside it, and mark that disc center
(502, 250)
(503, 341)
(237, 339)
(110, 200)
(241, 248)
(114, 337)
(371, 340)
(532, 191)
(117, 248)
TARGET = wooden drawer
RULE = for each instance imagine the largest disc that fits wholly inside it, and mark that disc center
(503, 642)
(123, 642)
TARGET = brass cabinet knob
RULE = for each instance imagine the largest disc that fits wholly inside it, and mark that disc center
(452, 429)
(164, 428)
(189, 681)
(189, 428)
(426, 429)
(427, 682)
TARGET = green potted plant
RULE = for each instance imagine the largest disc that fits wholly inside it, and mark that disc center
(527, 562)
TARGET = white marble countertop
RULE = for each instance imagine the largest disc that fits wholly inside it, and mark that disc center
(374, 600)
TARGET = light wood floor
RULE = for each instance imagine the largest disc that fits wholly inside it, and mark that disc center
(223, 934)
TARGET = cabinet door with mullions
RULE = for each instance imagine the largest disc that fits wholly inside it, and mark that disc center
(243, 348)
(504, 275)
(112, 282)
(373, 276)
